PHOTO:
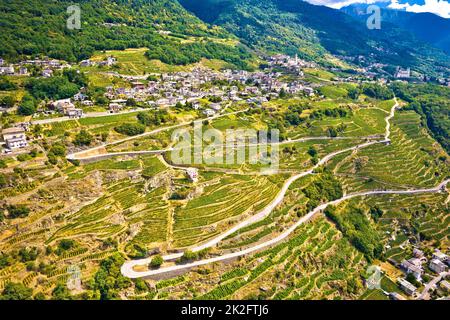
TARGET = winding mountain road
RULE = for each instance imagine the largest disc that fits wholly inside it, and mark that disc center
(81, 155)
(99, 114)
(128, 267)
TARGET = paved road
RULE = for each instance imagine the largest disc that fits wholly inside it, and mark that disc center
(127, 268)
(270, 207)
(87, 115)
(79, 155)
(424, 295)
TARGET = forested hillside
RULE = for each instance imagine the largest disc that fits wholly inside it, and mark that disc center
(185, 31)
(39, 27)
(295, 26)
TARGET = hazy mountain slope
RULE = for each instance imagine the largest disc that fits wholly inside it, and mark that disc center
(291, 26)
(428, 27)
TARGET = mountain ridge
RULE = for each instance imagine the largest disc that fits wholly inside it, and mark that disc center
(181, 32)
(312, 31)
(426, 26)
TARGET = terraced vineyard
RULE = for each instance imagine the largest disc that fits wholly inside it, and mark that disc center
(426, 215)
(221, 150)
(123, 204)
(58, 128)
(363, 122)
(224, 200)
(423, 217)
(270, 225)
(315, 263)
(411, 160)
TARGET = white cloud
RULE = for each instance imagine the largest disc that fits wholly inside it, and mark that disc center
(398, 6)
(439, 7)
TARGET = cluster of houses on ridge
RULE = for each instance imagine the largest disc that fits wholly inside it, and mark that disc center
(169, 89)
(225, 86)
(15, 138)
(290, 63)
(371, 69)
(108, 62)
(46, 65)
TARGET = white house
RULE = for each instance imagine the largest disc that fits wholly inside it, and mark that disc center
(418, 253)
(407, 287)
(63, 104)
(209, 112)
(309, 91)
(403, 73)
(47, 73)
(15, 138)
(115, 107)
(7, 70)
(437, 266)
(23, 71)
(412, 266)
(215, 106)
(88, 103)
(74, 113)
(86, 63)
(80, 97)
(439, 255)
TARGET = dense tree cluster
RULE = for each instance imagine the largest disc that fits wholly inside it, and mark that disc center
(58, 87)
(376, 213)
(130, 129)
(355, 225)
(83, 138)
(377, 91)
(108, 280)
(331, 112)
(27, 106)
(16, 291)
(184, 54)
(61, 292)
(323, 189)
(154, 118)
(156, 261)
(7, 85)
(17, 211)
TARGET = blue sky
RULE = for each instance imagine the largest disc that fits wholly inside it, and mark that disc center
(439, 7)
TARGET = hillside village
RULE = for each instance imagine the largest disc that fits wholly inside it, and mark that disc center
(170, 89)
(422, 274)
(220, 88)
